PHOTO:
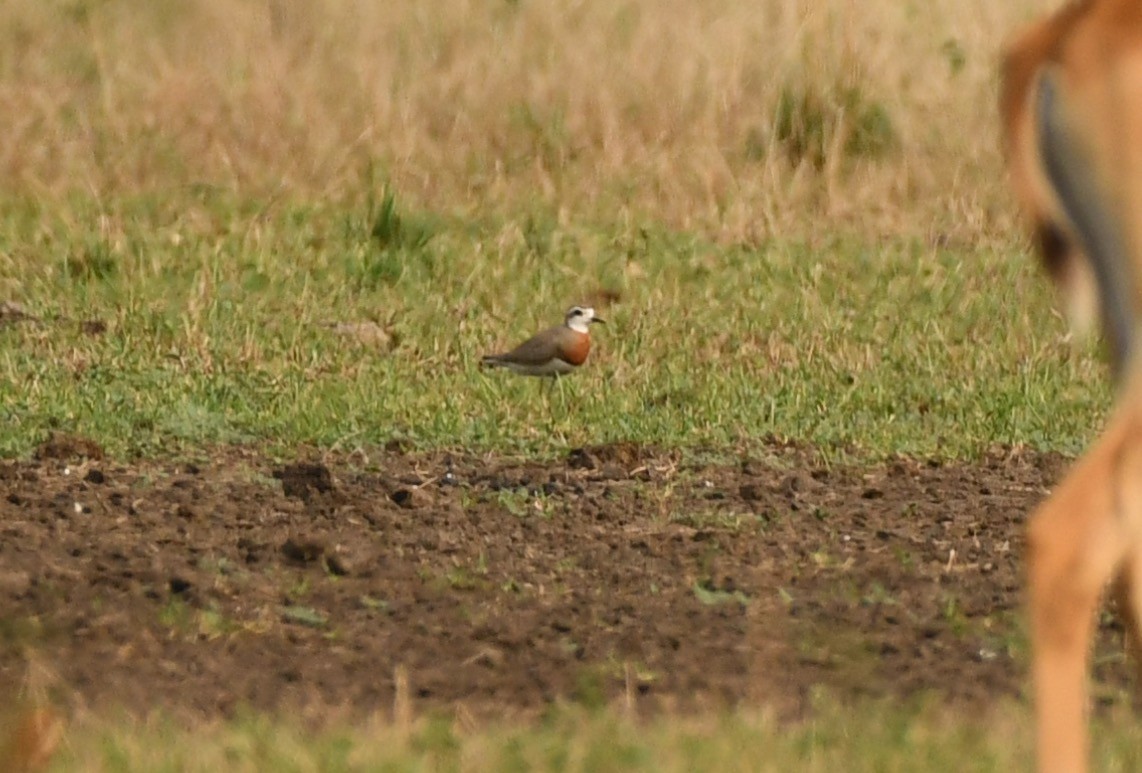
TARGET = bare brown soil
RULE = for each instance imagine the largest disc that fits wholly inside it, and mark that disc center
(498, 586)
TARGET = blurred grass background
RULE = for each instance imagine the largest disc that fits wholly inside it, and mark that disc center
(738, 120)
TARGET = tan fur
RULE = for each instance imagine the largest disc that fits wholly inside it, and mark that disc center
(1021, 64)
(1071, 105)
(33, 741)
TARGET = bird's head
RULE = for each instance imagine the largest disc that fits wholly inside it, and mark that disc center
(579, 317)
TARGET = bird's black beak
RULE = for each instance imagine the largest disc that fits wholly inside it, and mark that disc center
(598, 319)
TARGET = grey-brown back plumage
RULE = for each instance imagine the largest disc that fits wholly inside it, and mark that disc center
(536, 350)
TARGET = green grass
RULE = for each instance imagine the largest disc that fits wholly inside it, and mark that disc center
(877, 738)
(222, 320)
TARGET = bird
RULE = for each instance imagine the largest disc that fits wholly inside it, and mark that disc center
(553, 352)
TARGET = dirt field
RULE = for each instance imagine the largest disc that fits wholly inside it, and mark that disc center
(498, 586)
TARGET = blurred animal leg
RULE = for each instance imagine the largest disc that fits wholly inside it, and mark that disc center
(1076, 543)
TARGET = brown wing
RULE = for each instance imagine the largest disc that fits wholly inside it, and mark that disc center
(537, 350)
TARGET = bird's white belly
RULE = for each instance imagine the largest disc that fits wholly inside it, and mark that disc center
(553, 367)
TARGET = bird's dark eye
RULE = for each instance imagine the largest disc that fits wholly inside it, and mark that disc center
(576, 312)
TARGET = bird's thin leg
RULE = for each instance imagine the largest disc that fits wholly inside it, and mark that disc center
(546, 388)
(545, 393)
(559, 426)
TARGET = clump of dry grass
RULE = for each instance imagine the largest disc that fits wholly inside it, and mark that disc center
(741, 119)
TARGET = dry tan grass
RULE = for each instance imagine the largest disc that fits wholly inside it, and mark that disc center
(642, 109)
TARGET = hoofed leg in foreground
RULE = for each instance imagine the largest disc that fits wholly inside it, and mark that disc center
(1072, 119)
